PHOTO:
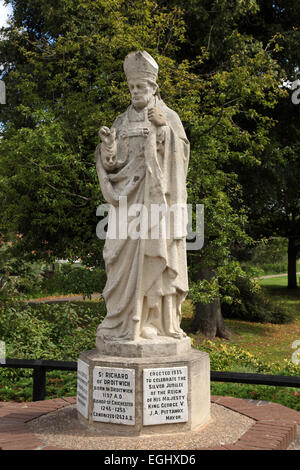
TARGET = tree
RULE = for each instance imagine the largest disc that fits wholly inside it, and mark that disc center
(64, 78)
(271, 191)
(233, 131)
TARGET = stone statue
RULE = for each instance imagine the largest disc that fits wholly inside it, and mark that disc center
(144, 157)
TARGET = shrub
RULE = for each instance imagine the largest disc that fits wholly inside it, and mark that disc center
(227, 357)
(17, 277)
(224, 357)
(62, 331)
(251, 304)
(271, 251)
(284, 395)
(274, 268)
(72, 279)
(56, 331)
(268, 256)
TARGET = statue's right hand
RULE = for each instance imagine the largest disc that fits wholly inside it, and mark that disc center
(107, 136)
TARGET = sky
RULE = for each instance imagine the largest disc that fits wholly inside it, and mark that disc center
(4, 12)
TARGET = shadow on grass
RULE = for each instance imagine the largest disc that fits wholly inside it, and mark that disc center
(282, 291)
(243, 328)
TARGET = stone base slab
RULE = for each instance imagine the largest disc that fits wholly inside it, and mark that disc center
(160, 346)
(197, 410)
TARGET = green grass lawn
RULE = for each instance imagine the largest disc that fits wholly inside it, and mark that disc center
(267, 341)
(281, 281)
(275, 281)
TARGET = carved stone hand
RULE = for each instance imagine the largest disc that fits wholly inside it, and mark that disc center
(157, 117)
(107, 136)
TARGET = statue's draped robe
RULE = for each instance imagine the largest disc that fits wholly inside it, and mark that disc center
(146, 277)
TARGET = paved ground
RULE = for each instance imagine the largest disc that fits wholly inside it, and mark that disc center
(274, 428)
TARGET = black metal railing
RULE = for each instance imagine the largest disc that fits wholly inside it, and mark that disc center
(41, 366)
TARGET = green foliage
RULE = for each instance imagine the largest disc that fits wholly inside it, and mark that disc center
(56, 331)
(64, 76)
(225, 357)
(274, 268)
(70, 279)
(18, 386)
(271, 191)
(24, 279)
(228, 357)
(270, 251)
(17, 278)
(66, 330)
(268, 256)
(48, 331)
(250, 303)
(283, 395)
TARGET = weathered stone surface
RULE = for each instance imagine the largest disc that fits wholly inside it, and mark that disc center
(83, 386)
(195, 366)
(165, 395)
(142, 163)
(160, 346)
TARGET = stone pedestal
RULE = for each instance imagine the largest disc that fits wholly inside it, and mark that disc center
(156, 383)
(157, 347)
(133, 396)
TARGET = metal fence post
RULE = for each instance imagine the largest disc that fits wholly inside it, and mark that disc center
(39, 383)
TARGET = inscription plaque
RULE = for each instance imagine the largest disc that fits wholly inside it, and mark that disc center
(114, 395)
(83, 388)
(165, 395)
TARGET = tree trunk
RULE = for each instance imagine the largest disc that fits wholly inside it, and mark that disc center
(208, 318)
(292, 264)
(49, 273)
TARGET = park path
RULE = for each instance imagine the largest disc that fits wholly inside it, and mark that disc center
(61, 298)
(269, 276)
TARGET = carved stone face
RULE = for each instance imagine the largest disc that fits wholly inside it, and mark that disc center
(141, 92)
(109, 162)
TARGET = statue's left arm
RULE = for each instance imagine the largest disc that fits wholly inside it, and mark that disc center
(180, 139)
